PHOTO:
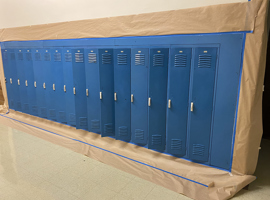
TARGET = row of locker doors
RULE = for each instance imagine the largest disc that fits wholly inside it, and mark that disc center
(161, 98)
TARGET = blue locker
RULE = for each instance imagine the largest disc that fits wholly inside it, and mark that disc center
(68, 87)
(79, 88)
(106, 91)
(157, 100)
(29, 82)
(139, 95)
(122, 94)
(93, 90)
(58, 85)
(23, 105)
(178, 100)
(201, 103)
(39, 80)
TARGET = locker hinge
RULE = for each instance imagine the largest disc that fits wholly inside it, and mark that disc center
(132, 98)
(18, 81)
(35, 84)
(87, 92)
(10, 80)
(26, 84)
(44, 85)
(100, 95)
(169, 103)
(191, 106)
(115, 96)
(74, 90)
(53, 87)
(65, 89)
(149, 101)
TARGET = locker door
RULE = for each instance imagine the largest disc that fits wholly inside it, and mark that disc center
(139, 95)
(157, 99)
(93, 90)
(201, 105)
(20, 65)
(106, 91)
(29, 82)
(39, 79)
(68, 87)
(79, 88)
(177, 102)
(122, 93)
(57, 72)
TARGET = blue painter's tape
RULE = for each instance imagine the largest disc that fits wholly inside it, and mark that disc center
(108, 151)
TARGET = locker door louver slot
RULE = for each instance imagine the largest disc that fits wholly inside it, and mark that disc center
(72, 118)
(12, 56)
(20, 56)
(123, 131)
(34, 109)
(28, 56)
(43, 112)
(79, 57)
(156, 139)
(95, 124)
(57, 57)
(198, 149)
(180, 60)
(37, 56)
(68, 57)
(205, 60)
(11, 103)
(5, 55)
(158, 60)
(92, 58)
(26, 107)
(108, 128)
(52, 113)
(176, 144)
(83, 121)
(106, 58)
(19, 105)
(140, 59)
(62, 116)
(122, 59)
(139, 134)
(47, 57)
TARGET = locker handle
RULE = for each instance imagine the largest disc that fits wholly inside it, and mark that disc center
(132, 98)
(87, 92)
(100, 95)
(65, 89)
(74, 90)
(18, 81)
(5, 80)
(169, 103)
(115, 96)
(149, 101)
(26, 84)
(44, 85)
(10, 80)
(53, 86)
(191, 106)
(35, 84)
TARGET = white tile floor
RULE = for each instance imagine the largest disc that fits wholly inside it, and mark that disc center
(34, 169)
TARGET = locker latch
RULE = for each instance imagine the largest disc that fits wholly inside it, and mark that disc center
(149, 101)
(26, 84)
(191, 106)
(87, 92)
(169, 103)
(132, 98)
(35, 84)
(53, 86)
(115, 96)
(5, 80)
(44, 85)
(100, 95)
(10, 80)
(65, 89)
(18, 81)
(74, 90)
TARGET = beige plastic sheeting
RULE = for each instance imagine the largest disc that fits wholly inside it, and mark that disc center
(248, 16)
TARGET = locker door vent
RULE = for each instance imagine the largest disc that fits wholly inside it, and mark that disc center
(72, 118)
(11, 103)
(68, 57)
(62, 116)
(79, 57)
(5, 55)
(198, 149)
(108, 128)
(205, 60)
(20, 56)
(57, 57)
(176, 144)
(19, 105)
(122, 59)
(37, 56)
(47, 57)
(158, 60)
(123, 131)
(12, 56)
(106, 58)
(28, 56)
(26, 107)
(43, 112)
(95, 124)
(139, 134)
(92, 58)
(83, 121)
(139, 59)
(35, 109)
(156, 139)
(180, 60)
(52, 113)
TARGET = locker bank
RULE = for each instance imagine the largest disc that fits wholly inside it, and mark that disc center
(174, 105)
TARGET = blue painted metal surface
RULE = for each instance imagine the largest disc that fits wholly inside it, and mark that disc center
(122, 94)
(178, 98)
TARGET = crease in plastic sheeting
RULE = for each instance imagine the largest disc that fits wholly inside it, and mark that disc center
(210, 185)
